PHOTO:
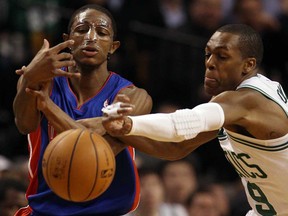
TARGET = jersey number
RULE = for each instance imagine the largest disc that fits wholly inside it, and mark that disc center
(257, 194)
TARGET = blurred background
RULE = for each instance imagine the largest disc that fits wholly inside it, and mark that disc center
(162, 50)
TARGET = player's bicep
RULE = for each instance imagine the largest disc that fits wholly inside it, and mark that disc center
(235, 107)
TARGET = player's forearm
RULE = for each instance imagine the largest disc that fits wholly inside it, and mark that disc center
(158, 149)
(27, 117)
(168, 150)
(158, 127)
(58, 118)
(116, 144)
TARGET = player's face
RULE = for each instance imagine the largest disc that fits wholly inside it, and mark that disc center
(93, 35)
(224, 63)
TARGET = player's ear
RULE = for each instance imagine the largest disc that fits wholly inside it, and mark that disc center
(250, 65)
(65, 36)
(115, 45)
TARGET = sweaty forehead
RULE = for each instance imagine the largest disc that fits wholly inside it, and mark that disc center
(223, 40)
(93, 16)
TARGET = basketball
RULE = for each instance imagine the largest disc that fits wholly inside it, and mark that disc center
(78, 165)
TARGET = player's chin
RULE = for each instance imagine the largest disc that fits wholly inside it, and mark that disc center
(210, 90)
(89, 63)
(90, 60)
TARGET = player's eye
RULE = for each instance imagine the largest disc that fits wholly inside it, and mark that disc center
(207, 55)
(222, 57)
(82, 29)
(102, 31)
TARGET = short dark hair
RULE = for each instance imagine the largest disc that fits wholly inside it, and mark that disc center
(97, 8)
(250, 41)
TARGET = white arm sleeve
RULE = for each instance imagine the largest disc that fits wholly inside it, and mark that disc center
(178, 126)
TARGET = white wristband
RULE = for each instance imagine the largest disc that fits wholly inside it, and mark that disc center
(111, 110)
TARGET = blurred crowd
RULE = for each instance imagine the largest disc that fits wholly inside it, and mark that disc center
(177, 188)
(162, 50)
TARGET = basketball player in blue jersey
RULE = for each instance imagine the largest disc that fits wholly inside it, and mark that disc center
(248, 112)
(58, 91)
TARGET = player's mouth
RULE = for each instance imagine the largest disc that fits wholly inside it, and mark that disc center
(211, 82)
(89, 51)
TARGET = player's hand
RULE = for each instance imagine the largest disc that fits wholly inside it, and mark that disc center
(20, 71)
(119, 107)
(48, 63)
(115, 120)
(117, 125)
(93, 124)
(42, 95)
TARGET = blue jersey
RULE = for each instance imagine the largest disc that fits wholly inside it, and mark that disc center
(123, 194)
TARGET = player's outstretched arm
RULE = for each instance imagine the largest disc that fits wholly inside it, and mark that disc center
(178, 126)
(167, 136)
(61, 121)
(44, 66)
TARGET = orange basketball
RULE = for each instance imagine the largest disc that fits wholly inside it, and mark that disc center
(78, 165)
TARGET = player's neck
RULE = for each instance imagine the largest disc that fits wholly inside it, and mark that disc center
(88, 85)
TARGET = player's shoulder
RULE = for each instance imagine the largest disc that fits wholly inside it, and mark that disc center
(242, 97)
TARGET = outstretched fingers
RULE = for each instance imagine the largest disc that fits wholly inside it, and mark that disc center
(45, 45)
(61, 46)
(63, 60)
(118, 109)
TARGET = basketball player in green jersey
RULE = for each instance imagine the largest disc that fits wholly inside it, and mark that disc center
(248, 112)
